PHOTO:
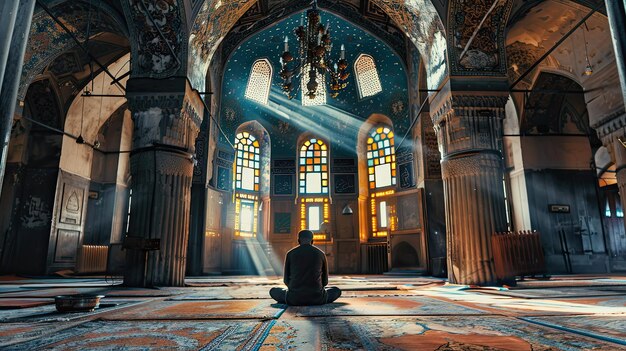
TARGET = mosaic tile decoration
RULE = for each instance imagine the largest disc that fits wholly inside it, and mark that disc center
(201, 310)
(170, 335)
(610, 328)
(424, 333)
(386, 305)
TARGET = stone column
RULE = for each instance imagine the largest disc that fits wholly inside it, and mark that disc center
(14, 41)
(469, 132)
(612, 131)
(616, 12)
(167, 116)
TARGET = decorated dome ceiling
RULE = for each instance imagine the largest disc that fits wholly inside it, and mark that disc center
(341, 118)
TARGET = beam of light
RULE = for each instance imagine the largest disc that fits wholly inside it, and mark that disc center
(265, 261)
(327, 121)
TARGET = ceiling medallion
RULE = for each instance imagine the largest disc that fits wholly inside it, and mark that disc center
(314, 62)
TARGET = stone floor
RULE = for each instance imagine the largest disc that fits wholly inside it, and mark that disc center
(374, 313)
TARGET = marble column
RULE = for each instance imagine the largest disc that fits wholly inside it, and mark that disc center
(167, 116)
(13, 40)
(469, 134)
(616, 12)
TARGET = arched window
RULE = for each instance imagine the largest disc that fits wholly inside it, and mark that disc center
(320, 96)
(367, 79)
(313, 167)
(260, 80)
(381, 173)
(381, 158)
(313, 187)
(247, 174)
(247, 169)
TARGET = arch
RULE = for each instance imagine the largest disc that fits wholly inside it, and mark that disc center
(43, 27)
(94, 112)
(381, 157)
(374, 202)
(419, 20)
(366, 76)
(404, 255)
(251, 178)
(260, 81)
(313, 170)
(313, 185)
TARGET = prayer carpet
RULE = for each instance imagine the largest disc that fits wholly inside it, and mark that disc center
(23, 303)
(201, 310)
(611, 328)
(467, 333)
(385, 305)
(551, 293)
(170, 335)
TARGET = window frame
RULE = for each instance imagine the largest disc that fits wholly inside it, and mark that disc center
(263, 96)
(358, 76)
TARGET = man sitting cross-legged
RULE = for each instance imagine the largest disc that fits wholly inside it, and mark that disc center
(306, 275)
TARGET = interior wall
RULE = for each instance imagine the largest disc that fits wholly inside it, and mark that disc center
(28, 193)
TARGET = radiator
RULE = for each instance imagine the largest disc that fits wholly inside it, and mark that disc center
(92, 259)
(376, 256)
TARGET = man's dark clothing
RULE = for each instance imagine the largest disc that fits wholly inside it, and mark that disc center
(306, 275)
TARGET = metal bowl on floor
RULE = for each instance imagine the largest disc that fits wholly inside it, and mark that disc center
(77, 303)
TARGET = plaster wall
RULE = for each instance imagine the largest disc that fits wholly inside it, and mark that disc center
(93, 111)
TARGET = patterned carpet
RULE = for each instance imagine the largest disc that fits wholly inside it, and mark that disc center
(374, 313)
(385, 305)
(188, 310)
(424, 333)
(604, 327)
(100, 335)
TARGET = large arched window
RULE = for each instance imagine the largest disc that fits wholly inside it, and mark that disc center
(247, 174)
(247, 169)
(367, 79)
(313, 185)
(313, 167)
(381, 173)
(260, 81)
(381, 158)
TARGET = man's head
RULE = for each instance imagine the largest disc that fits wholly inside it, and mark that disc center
(305, 237)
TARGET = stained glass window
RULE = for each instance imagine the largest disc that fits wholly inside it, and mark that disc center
(260, 81)
(381, 158)
(247, 167)
(320, 97)
(367, 79)
(313, 167)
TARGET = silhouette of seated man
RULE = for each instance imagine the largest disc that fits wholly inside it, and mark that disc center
(306, 275)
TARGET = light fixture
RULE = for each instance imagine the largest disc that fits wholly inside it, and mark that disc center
(261, 206)
(588, 69)
(315, 46)
(347, 210)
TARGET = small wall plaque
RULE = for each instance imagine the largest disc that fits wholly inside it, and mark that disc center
(558, 208)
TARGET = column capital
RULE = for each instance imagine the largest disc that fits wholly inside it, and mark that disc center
(611, 126)
(165, 111)
(467, 115)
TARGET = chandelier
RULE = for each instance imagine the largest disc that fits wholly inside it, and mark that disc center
(314, 62)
